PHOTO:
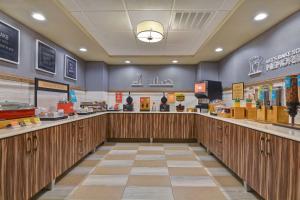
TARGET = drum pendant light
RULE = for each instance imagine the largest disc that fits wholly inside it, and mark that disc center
(150, 31)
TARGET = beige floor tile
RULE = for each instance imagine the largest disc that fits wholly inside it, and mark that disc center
(227, 181)
(109, 144)
(102, 152)
(89, 163)
(97, 192)
(177, 148)
(201, 153)
(150, 163)
(71, 180)
(212, 164)
(187, 171)
(120, 157)
(148, 181)
(152, 144)
(180, 157)
(125, 148)
(143, 152)
(197, 193)
(112, 170)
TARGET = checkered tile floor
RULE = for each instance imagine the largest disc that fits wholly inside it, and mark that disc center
(143, 171)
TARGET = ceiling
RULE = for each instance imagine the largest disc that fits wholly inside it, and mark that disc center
(193, 28)
(187, 23)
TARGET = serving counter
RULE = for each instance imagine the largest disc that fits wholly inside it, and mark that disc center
(266, 157)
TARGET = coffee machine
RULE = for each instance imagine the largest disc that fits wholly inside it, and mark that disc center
(129, 103)
(164, 107)
(207, 91)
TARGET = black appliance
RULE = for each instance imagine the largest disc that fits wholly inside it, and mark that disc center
(207, 91)
(129, 103)
(164, 107)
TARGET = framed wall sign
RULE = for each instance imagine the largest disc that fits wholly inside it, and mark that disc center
(238, 91)
(70, 68)
(9, 43)
(45, 57)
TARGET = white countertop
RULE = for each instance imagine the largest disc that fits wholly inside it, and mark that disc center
(9, 132)
(267, 128)
(288, 133)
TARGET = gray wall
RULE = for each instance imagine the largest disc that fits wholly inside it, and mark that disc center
(96, 76)
(281, 38)
(26, 68)
(208, 71)
(121, 77)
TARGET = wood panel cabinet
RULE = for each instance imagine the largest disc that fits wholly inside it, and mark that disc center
(269, 164)
(255, 162)
(29, 162)
(282, 165)
(15, 167)
(172, 126)
(153, 125)
(129, 126)
(42, 161)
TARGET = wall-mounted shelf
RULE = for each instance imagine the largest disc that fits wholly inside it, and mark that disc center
(161, 85)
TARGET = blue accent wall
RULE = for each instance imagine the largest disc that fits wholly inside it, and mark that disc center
(122, 76)
(281, 38)
(26, 68)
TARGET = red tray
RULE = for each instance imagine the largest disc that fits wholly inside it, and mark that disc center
(16, 114)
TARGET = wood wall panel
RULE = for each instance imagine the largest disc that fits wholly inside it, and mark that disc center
(282, 170)
(154, 125)
(15, 167)
(43, 159)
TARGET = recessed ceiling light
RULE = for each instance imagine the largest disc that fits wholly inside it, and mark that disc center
(38, 16)
(260, 16)
(83, 49)
(174, 61)
(127, 61)
(219, 49)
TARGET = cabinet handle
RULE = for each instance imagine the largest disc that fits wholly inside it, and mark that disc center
(268, 142)
(262, 144)
(28, 145)
(219, 127)
(35, 143)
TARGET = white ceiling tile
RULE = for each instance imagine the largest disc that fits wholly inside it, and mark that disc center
(115, 21)
(198, 4)
(70, 5)
(229, 4)
(113, 41)
(160, 16)
(149, 4)
(95, 5)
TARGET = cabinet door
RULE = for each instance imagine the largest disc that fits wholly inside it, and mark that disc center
(206, 131)
(226, 143)
(255, 161)
(235, 149)
(63, 147)
(43, 157)
(283, 169)
(199, 129)
(15, 177)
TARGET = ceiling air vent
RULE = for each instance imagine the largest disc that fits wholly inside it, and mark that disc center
(190, 20)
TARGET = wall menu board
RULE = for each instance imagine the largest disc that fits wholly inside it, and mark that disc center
(70, 68)
(45, 57)
(9, 43)
(238, 91)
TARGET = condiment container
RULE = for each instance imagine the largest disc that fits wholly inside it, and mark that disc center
(298, 87)
(291, 89)
(276, 96)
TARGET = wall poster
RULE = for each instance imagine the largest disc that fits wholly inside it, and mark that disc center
(45, 57)
(70, 68)
(238, 91)
(9, 43)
